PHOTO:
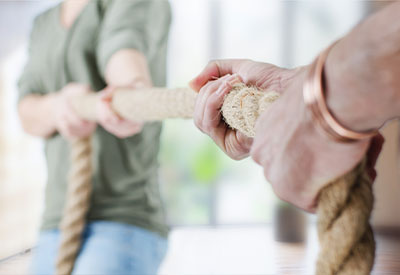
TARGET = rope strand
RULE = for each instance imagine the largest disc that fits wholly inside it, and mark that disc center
(346, 240)
(77, 205)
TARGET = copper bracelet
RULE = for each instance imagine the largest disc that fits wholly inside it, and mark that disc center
(314, 98)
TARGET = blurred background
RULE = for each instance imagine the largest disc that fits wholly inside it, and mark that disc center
(224, 215)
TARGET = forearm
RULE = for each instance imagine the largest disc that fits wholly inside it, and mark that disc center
(128, 68)
(362, 72)
(36, 114)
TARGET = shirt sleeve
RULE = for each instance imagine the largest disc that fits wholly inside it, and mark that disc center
(142, 25)
(29, 81)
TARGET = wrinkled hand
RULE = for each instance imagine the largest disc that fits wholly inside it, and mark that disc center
(207, 117)
(299, 159)
(215, 81)
(111, 121)
(67, 122)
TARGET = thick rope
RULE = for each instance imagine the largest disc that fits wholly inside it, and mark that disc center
(77, 205)
(344, 208)
(347, 243)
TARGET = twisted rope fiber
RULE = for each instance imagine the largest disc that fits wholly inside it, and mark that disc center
(346, 240)
(77, 205)
(347, 243)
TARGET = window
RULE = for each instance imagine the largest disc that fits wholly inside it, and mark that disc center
(202, 185)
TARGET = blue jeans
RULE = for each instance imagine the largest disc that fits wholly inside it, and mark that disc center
(107, 248)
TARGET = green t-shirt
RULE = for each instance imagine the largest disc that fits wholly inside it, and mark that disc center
(125, 179)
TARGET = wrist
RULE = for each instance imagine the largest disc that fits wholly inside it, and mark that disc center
(354, 92)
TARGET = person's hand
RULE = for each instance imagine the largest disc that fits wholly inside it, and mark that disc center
(262, 75)
(299, 159)
(66, 121)
(111, 121)
(215, 81)
(207, 117)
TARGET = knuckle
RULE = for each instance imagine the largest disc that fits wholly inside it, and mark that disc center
(207, 129)
(255, 155)
(241, 153)
(209, 125)
(212, 62)
(204, 90)
(237, 156)
(243, 150)
(214, 102)
(198, 122)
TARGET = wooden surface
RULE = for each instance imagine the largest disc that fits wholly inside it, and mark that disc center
(243, 250)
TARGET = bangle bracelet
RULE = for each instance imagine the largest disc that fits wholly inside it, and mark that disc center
(314, 98)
